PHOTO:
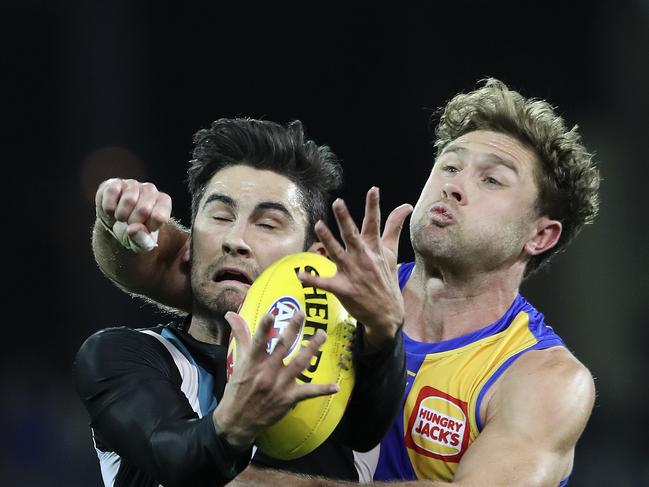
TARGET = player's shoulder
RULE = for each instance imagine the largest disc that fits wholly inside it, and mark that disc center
(109, 338)
(114, 348)
(556, 364)
(554, 379)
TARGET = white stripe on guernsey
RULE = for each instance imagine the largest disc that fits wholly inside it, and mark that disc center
(109, 462)
(188, 372)
(365, 463)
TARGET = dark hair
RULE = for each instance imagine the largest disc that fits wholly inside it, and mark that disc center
(567, 179)
(262, 144)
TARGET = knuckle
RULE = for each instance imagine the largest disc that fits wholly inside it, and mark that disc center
(159, 216)
(143, 210)
(149, 187)
(128, 201)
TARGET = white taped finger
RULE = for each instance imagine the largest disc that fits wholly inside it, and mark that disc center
(146, 241)
(141, 242)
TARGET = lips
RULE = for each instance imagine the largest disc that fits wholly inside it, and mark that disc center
(441, 214)
(232, 274)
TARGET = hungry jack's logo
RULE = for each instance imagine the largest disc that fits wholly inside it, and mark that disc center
(438, 426)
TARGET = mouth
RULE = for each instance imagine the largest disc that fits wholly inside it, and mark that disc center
(232, 275)
(441, 215)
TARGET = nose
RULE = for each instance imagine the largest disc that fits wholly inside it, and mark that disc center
(234, 242)
(452, 190)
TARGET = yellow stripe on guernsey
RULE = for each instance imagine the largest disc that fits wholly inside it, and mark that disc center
(444, 397)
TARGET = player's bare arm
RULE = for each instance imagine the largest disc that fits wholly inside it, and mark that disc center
(533, 419)
(366, 282)
(138, 246)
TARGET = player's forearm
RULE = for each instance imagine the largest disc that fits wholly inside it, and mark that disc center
(380, 379)
(160, 274)
(255, 477)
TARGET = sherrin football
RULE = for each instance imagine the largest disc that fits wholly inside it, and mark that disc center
(278, 291)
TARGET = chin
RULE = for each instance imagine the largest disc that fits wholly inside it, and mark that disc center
(226, 300)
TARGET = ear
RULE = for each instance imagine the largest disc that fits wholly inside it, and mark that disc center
(318, 248)
(546, 236)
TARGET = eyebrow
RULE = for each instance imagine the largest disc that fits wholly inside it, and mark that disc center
(222, 198)
(263, 205)
(492, 158)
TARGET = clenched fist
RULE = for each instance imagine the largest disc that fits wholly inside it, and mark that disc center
(132, 212)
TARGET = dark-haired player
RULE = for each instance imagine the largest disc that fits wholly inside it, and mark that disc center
(161, 412)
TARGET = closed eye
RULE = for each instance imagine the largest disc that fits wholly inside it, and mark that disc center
(491, 180)
(267, 226)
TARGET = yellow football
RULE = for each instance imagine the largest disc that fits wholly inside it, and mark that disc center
(278, 291)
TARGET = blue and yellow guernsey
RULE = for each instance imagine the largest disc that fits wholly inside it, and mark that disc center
(447, 382)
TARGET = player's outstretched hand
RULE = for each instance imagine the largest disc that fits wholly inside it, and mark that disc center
(132, 211)
(261, 388)
(366, 281)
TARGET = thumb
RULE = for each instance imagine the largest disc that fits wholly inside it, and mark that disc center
(394, 225)
(141, 237)
(240, 330)
(135, 237)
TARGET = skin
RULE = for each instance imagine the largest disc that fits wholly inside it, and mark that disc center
(247, 219)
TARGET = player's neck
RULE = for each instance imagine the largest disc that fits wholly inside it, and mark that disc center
(442, 305)
(208, 330)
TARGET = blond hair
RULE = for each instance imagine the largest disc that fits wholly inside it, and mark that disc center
(567, 179)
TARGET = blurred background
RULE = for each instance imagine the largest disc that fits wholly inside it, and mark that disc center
(94, 89)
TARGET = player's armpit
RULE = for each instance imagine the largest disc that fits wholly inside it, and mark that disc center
(533, 420)
(160, 275)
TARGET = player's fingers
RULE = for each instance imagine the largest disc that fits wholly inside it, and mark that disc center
(303, 358)
(161, 212)
(141, 237)
(334, 250)
(332, 284)
(308, 391)
(127, 200)
(371, 229)
(107, 197)
(393, 227)
(259, 344)
(240, 331)
(146, 200)
(288, 337)
(348, 229)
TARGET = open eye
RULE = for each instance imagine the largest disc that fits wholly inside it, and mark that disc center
(450, 168)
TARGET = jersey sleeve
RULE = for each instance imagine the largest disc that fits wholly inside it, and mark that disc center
(132, 394)
(377, 395)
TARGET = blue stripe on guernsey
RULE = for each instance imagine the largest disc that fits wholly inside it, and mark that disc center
(206, 397)
(503, 368)
(403, 273)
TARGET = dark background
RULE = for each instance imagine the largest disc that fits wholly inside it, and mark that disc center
(97, 89)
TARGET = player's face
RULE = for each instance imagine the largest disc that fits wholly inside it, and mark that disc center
(246, 220)
(477, 208)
